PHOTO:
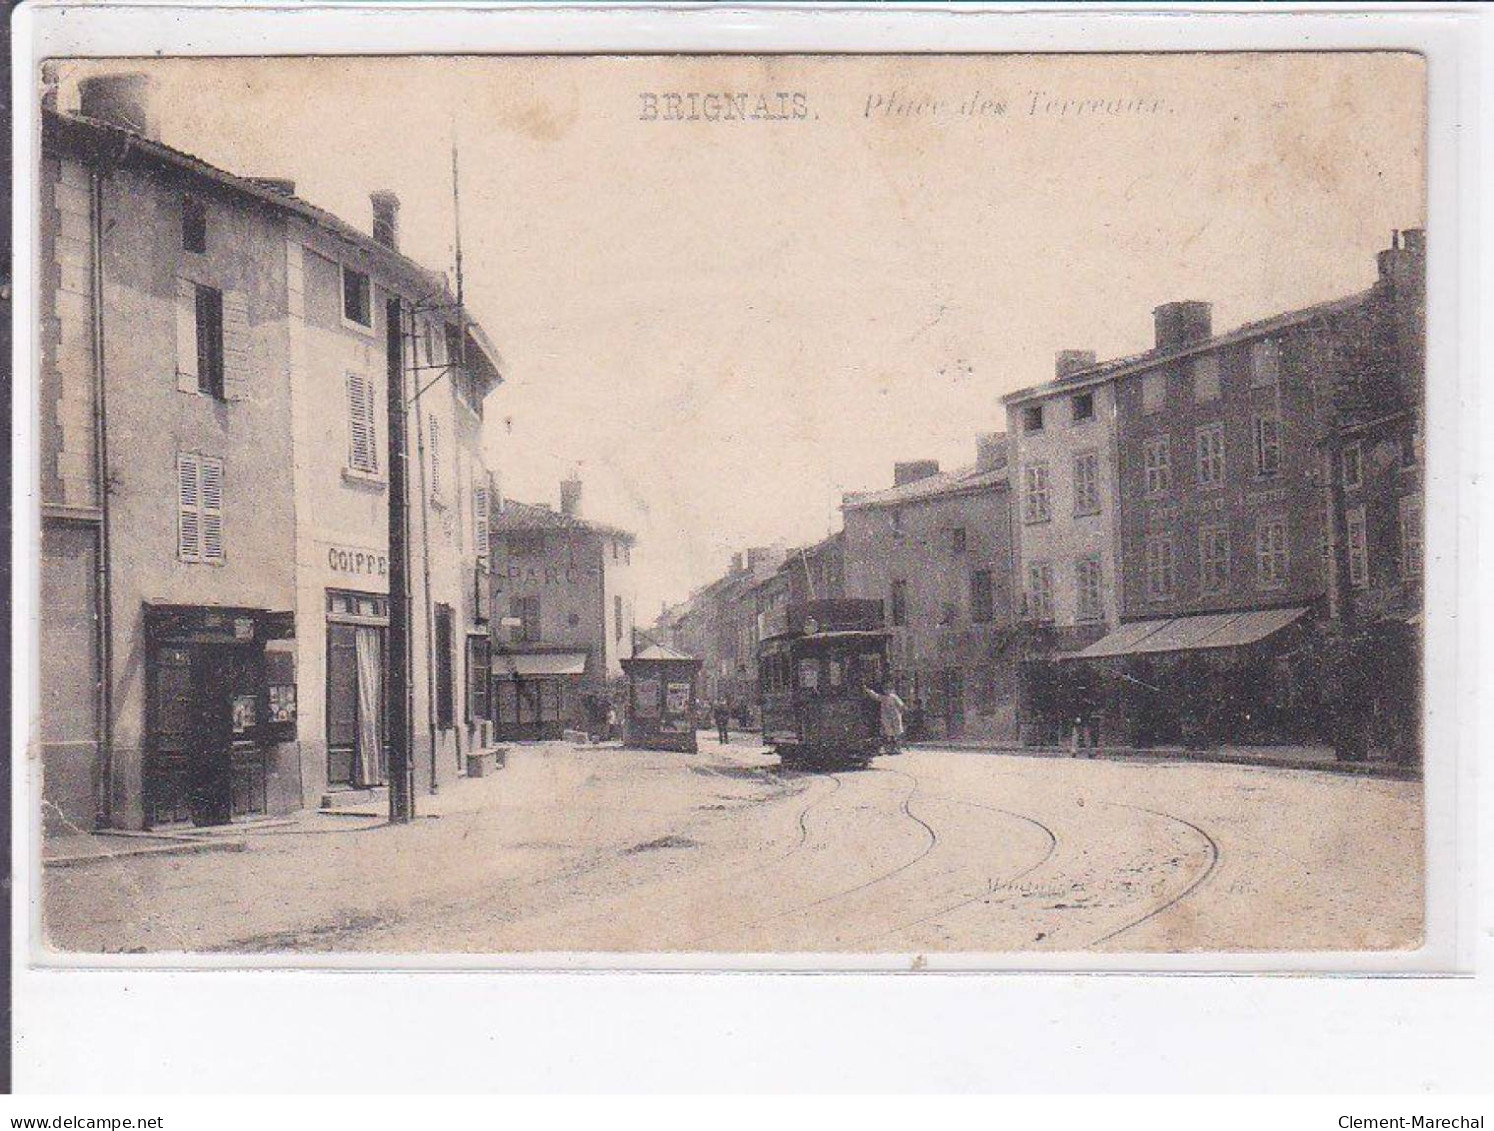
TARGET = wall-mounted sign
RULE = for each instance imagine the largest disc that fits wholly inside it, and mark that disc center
(357, 563)
(283, 702)
(243, 713)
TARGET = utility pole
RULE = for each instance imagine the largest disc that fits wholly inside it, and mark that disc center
(397, 705)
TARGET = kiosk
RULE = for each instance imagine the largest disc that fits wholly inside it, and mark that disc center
(661, 699)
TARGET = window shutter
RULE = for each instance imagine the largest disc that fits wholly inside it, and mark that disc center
(188, 508)
(212, 508)
(480, 522)
(186, 336)
(236, 351)
(435, 432)
(363, 452)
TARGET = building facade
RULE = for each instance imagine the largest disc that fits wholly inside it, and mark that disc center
(936, 549)
(186, 345)
(563, 600)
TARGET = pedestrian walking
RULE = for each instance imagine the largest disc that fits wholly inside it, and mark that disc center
(723, 723)
(892, 719)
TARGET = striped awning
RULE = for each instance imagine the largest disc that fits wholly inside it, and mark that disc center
(1183, 634)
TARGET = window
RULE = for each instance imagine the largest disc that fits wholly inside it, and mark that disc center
(617, 616)
(1265, 364)
(525, 610)
(809, 674)
(363, 446)
(1157, 456)
(445, 708)
(1206, 378)
(479, 651)
(357, 299)
(982, 596)
(433, 434)
(897, 522)
(957, 540)
(1083, 406)
(199, 522)
(1358, 547)
(1271, 553)
(899, 603)
(209, 333)
(1153, 392)
(480, 532)
(194, 225)
(1210, 455)
(1087, 483)
(616, 554)
(1411, 536)
(1161, 577)
(1213, 558)
(1267, 446)
(1353, 461)
(1040, 591)
(1032, 418)
(1087, 588)
(1035, 502)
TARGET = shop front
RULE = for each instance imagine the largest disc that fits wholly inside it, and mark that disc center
(537, 694)
(357, 684)
(221, 702)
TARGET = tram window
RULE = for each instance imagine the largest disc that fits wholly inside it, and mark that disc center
(809, 675)
(837, 673)
(871, 669)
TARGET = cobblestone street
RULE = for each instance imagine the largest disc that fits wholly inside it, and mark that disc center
(603, 849)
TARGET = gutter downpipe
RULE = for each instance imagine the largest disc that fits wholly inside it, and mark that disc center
(425, 563)
(104, 802)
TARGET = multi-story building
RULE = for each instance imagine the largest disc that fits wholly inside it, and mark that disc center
(213, 451)
(1223, 540)
(1063, 456)
(936, 549)
(563, 597)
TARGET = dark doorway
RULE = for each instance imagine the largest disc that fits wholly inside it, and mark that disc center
(210, 773)
(954, 703)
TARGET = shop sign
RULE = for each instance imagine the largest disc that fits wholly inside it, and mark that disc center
(354, 562)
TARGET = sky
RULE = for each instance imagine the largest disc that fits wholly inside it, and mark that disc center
(725, 325)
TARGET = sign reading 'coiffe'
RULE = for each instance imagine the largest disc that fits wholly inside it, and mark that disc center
(358, 563)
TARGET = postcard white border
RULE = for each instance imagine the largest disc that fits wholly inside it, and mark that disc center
(1448, 37)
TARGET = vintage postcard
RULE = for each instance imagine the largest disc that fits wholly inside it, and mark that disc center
(767, 505)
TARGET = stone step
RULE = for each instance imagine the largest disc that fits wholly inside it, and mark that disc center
(342, 798)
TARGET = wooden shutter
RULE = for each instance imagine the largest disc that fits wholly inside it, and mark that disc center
(188, 507)
(435, 438)
(236, 351)
(363, 452)
(480, 520)
(212, 508)
(186, 336)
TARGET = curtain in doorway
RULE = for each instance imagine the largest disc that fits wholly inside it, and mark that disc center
(370, 705)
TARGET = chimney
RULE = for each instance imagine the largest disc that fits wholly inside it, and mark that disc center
(1404, 260)
(278, 185)
(1069, 362)
(570, 497)
(385, 219)
(990, 451)
(1182, 323)
(911, 471)
(121, 100)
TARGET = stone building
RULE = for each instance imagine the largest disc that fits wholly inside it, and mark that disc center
(563, 601)
(215, 351)
(936, 549)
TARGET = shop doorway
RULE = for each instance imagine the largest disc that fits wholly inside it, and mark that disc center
(357, 683)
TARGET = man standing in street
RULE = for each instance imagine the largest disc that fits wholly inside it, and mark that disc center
(722, 715)
(892, 719)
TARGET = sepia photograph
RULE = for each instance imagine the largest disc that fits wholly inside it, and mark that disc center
(761, 505)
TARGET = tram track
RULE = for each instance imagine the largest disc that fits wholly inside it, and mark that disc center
(985, 892)
(1197, 882)
(904, 808)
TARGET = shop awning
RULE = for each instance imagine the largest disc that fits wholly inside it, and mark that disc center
(1183, 634)
(529, 665)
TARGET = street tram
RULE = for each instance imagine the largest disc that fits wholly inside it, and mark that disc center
(812, 681)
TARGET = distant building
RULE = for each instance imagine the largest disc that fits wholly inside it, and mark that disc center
(936, 550)
(563, 601)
